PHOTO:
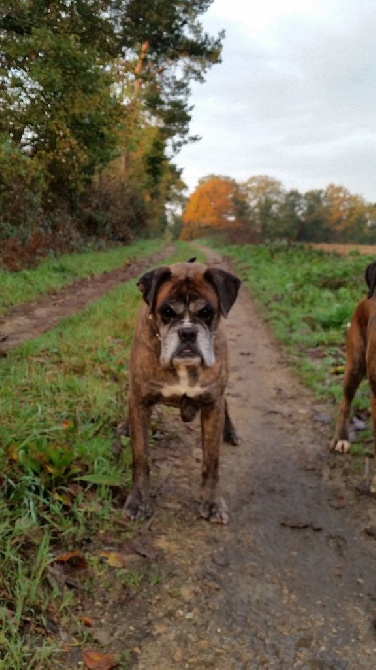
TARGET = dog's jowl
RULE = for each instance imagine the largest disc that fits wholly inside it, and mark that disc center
(179, 357)
(360, 361)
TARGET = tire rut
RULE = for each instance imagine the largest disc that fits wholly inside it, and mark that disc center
(29, 320)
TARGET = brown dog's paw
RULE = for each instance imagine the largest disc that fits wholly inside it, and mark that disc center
(215, 511)
(138, 507)
(341, 446)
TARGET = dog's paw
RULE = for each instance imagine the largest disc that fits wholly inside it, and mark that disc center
(342, 446)
(138, 507)
(231, 437)
(214, 511)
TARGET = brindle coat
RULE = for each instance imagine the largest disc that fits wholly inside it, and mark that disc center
(189, 387)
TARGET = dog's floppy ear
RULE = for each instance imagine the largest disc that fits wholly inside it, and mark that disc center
(151, 281)
(226, 286)
(370, 277)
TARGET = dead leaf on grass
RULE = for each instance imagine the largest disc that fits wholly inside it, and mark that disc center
(88, 621)
(112, 558)
(68, 568)
(74, 559)
(98, 660)
(12, 453)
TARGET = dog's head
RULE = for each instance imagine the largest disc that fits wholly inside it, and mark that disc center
(370, 276)
(186, 301)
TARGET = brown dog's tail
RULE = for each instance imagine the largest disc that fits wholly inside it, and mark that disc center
(370, 277)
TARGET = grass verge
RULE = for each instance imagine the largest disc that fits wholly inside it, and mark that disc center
(55, 272)
(62, 483)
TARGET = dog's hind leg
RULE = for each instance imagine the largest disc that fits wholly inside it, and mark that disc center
(355, 370)
(230, 435)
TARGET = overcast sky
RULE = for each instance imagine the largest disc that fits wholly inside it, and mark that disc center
(294, 97)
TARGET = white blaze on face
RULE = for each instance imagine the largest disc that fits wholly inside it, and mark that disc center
(170, 343)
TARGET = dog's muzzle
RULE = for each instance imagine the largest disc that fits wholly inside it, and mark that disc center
(186, 344)
(187, 347)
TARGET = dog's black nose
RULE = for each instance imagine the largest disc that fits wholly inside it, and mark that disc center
(188, 334)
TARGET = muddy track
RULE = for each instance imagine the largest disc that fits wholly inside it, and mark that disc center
(29, 320)
(290, 583)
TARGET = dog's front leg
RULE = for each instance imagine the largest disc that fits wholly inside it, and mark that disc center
(213, 507)
(138, 504)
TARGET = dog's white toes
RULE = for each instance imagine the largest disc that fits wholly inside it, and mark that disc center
(215, 511)
(342, 446)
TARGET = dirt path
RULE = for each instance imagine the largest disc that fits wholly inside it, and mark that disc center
(27, 321)
(290, 583)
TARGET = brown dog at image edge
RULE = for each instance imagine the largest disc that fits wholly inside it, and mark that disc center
(360, 361)
(179, 357)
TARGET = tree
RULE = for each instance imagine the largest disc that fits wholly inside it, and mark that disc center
(57, 102)
(346, 214)
(214, 205)
(265, 199)
(82, 81)
(165, 48)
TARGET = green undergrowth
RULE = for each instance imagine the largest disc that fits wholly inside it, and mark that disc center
(64, 472)
(308, 297)
(55, 272)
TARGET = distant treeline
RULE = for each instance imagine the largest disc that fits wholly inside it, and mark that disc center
(261, 209)
(94, 105)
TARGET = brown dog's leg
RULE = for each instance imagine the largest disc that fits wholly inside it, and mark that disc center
(355, 370)
(229, 433)
(138, 504)
(213, 507)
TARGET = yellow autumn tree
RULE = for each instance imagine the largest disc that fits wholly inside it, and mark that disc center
(216, 204)
(346, 214)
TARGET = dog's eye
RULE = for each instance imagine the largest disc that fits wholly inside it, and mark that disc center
(206, 313)
(167, 313)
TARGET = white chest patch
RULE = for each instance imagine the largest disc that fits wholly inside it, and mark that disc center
(182, 387)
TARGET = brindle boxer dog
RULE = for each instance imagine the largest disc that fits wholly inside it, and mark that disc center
(360, 361)
(179, 357)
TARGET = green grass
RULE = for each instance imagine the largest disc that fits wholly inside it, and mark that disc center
(62, 396)
(54, 273)
(308, 298)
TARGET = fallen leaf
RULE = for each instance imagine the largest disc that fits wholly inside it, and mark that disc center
(88, 621)
(112, 558)
(13, 453)
(339, 502)
(74, 558)
(97, 660)
(68, 569)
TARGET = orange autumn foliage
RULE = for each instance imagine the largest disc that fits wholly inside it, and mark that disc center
(214, 204)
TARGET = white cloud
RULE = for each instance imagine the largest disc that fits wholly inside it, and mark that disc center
(293, 98)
